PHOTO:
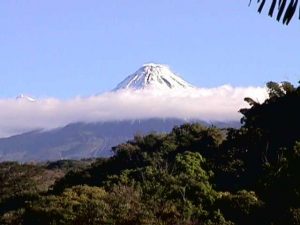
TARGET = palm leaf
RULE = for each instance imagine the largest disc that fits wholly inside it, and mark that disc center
(285, 11)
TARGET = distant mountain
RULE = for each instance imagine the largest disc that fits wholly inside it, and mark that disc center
(86, 140)
(81, 140)
(153, 76)
(25, 97)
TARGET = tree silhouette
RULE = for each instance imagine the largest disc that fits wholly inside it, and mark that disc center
(284, 10)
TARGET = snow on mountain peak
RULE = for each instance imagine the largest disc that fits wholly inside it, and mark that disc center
(25, 97)
(153, 76)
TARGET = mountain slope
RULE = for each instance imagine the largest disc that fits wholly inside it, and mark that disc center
(77, 140)
(81, 140)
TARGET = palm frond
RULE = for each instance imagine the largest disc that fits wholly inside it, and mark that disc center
(284, 11)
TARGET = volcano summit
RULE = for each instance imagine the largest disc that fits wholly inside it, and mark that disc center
(153, 76)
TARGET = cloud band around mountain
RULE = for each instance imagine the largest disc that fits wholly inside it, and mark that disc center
(209, 104)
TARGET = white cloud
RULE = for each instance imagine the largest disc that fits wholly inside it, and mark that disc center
(221, 103)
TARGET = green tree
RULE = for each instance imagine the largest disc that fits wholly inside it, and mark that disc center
(244, 207)
(276, 120)
(178, 192)
(78, 205)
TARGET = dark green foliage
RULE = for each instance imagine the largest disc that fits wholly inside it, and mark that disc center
(181, 188)
(67, 165)
(244, 207)
(79, 205)
(16, 179)
(276, 121)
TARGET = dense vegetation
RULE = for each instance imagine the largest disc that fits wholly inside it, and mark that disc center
(193, 175)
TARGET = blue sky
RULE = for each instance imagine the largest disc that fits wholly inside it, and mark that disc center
(68, 48)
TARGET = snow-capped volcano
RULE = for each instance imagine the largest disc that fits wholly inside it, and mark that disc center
(153, 76)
